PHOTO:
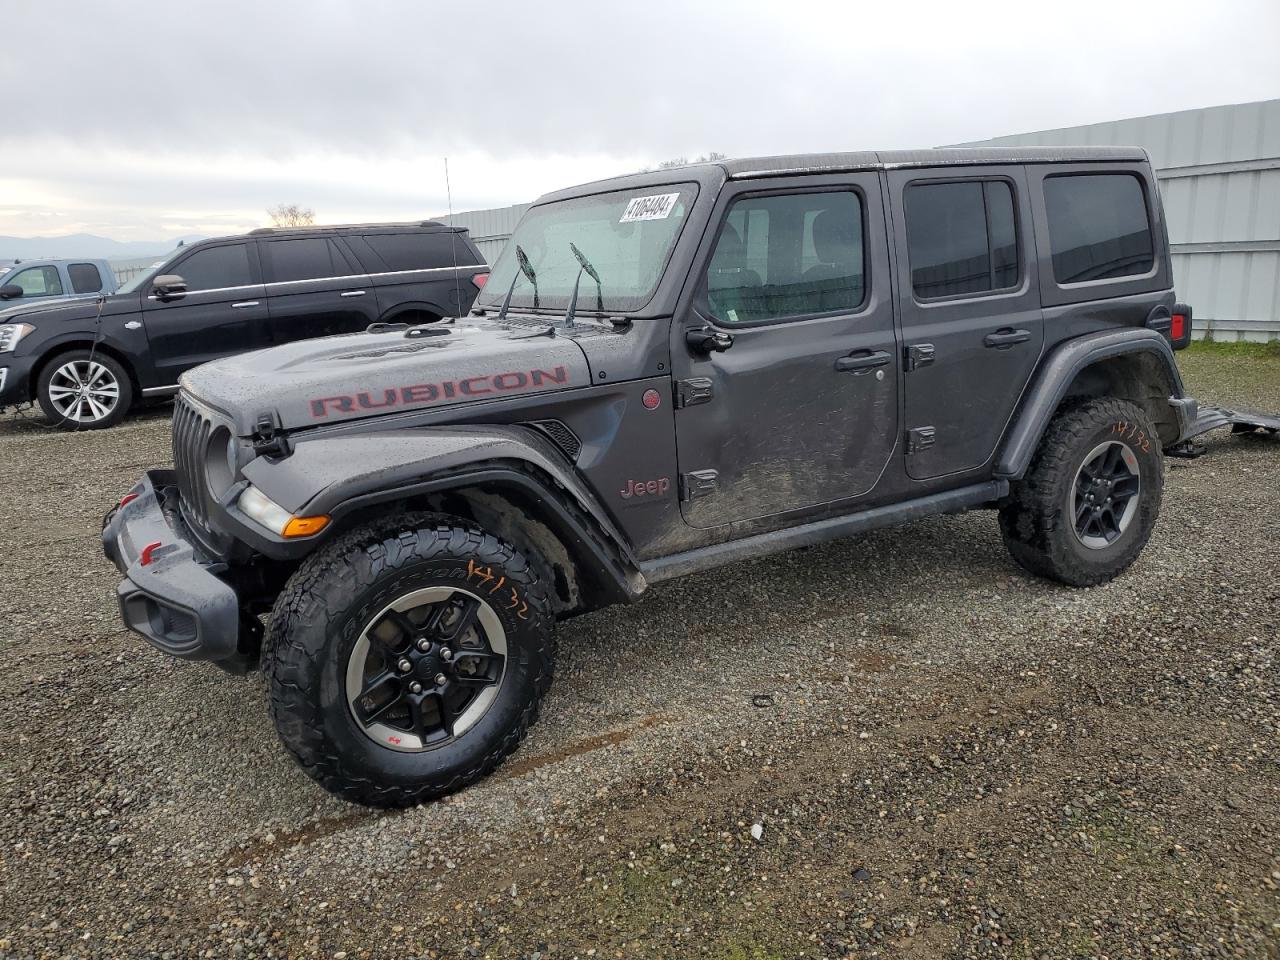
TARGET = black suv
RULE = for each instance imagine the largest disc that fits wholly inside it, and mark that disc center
(667, 372)
(86, 362)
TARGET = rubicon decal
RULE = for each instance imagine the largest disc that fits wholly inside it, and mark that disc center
(421, 394)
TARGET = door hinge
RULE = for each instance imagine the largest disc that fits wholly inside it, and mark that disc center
(693, 391)
(698, 483)
(920, 438)
(919, 355)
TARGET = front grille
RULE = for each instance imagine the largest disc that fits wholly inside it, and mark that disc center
(191, 430)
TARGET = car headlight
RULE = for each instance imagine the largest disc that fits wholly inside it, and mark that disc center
(11, 333)
(260, 508)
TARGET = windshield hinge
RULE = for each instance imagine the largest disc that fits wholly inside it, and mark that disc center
(269, 438)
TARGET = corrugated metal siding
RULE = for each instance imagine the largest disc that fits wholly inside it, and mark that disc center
(1219, 173)
(489, 228)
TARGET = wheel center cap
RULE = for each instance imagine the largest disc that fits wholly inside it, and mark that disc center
(426, 666)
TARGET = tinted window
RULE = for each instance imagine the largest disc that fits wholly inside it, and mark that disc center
(85, 277)
(961, 238)
(215, 267)
(38, 282)
(1098, 227)
(307, 259)
(421, 251)
(787, 256)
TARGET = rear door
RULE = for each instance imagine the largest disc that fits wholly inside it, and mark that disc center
(416, 269)
(801, 410)
(223, 312)
(314, 289)
(972, 326)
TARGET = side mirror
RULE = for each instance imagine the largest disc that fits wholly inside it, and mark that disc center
(11, 291)
(168, 287)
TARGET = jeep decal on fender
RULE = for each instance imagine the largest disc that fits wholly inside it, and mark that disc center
(419, 394)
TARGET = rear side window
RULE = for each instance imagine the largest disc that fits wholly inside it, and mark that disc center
(85, 277)
(1098, 227)
(421, 251)
(788, 256)
(961, 238)
(311, 258)
(216, 267)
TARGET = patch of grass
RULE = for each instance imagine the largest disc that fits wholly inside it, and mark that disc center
(738, 952)
(1214, 348)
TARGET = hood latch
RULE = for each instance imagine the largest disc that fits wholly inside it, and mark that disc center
(269, 438)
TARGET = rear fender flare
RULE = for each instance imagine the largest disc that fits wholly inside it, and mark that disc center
(1054, 380)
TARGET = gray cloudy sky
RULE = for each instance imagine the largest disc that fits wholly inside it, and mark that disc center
(142, 119)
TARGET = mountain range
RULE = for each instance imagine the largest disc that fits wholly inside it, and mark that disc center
(84, 245)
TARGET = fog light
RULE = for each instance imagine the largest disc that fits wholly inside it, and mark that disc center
(263, 510)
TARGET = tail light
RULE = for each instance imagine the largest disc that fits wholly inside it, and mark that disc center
(480, 279)
(1180, 326)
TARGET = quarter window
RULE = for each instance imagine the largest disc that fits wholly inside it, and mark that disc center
(421, 251)
(961, 238)
(85, 277)
(788, 256)
(38, 282)
(1098, 227)
(216, 267)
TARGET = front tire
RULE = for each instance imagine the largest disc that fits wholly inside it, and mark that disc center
(84, 390)
(407, 659)
(1090, 499)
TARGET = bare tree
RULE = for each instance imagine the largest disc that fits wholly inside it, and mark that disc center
(291, 215)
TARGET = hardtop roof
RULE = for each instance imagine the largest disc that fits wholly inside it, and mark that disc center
(713, 172)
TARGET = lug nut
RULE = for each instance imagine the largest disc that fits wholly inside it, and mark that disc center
(424, 644)
(440, 679)
(446, 653)
(404, 666)
(416, 687)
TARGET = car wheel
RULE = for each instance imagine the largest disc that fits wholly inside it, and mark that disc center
(1090, 499)
(407, 659)
(84, 390)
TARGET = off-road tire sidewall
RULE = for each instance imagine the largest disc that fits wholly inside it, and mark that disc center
(1037, 526)
(56, 419)
(319, 618)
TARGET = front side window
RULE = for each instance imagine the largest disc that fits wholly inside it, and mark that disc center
(786, 256)
(38, 282)
(214, 268)
(627, 236)
(85, 277)
(961, 238)
(1098, 227)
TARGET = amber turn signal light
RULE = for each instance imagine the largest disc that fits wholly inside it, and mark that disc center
(304, 526)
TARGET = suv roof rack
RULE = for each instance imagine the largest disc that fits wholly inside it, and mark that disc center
(322, 228)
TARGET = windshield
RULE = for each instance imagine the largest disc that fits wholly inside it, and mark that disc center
(140, 279)
(626, 235)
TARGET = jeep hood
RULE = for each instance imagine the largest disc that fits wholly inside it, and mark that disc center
(349, 377)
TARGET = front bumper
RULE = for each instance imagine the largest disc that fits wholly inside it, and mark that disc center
(170, 593)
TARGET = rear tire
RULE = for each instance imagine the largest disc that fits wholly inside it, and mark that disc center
(1089, 501)
(84, 390)
(408, 658)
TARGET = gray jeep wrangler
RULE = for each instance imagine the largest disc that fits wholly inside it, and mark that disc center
(666, 372)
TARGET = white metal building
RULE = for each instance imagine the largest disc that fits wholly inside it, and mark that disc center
(1219, 173)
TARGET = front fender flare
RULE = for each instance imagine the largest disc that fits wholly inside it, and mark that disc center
(341, 473)
(1055, 377)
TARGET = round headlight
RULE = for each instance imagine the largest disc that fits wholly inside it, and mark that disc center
(221, 461)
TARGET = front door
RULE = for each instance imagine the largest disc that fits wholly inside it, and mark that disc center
(224, 311)
(970, 304)
(314, 289)
(801, 409)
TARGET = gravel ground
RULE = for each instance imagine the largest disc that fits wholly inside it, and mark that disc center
(945, 758)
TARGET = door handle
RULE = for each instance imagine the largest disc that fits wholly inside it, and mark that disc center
(1005, 338)
(244, 303)
(353, 293)
(862, 362)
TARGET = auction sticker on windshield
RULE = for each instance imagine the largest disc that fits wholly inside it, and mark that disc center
(655, 207)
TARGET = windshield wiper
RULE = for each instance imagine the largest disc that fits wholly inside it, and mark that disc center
(527, 269)
(590, 271)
